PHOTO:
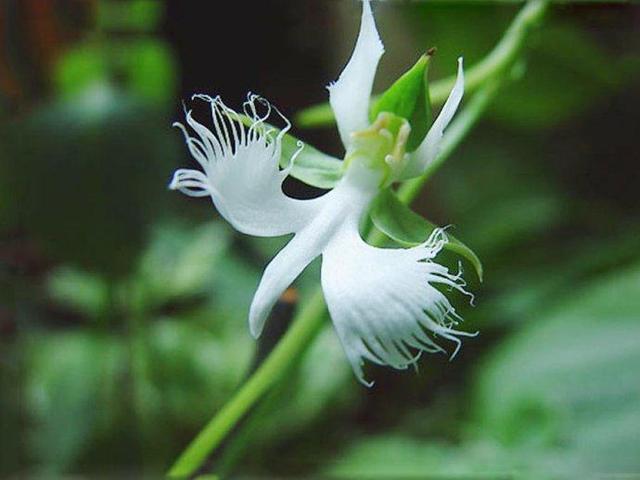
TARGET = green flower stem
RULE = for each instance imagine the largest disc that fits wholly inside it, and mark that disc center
(304, 329)
(503, 55)
(311, 318)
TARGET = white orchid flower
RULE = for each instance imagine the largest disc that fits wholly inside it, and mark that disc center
(383, 302)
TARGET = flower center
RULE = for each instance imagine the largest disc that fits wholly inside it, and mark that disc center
(381, 146)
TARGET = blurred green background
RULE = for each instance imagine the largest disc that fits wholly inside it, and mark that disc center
(123, 305)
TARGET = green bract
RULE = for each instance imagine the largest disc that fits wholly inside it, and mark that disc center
(400, 223)
(311, 165)
(408, 98)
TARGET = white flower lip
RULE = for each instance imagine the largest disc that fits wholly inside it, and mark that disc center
(383, 302)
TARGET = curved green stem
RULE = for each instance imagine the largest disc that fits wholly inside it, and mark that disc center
(499, 59)
(311, 318)
(306, 326)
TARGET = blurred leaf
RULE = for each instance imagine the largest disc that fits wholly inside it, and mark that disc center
(84, 292)
(12, 403)
(558, 398)
(89, 176)
(560, 81)
(400, 223)
(320, 386)
(80, 68)
(143, 67)
(133, 15)
(181, 261)
(549, 278)
(88, 399)
(501, 196)
(149, 68)
(194, 368)
(391, 456)
(401, 456)
(71, 393)
(568, 381)
(322, 379)
(408, 98)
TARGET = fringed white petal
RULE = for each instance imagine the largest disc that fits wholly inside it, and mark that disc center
(383, 302)
(349, 95)
(241, 169)
(430, 146)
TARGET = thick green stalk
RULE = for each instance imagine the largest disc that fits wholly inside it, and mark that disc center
(311, 318)
(499, 59)
(304, 329)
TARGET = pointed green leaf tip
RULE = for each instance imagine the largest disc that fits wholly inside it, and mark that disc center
(400, 223)
(409, 98)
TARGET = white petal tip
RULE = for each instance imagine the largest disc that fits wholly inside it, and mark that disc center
(174, 184)
(457, 349)
(254, 333)
(367, 384)
(362, 380)
(256, 325)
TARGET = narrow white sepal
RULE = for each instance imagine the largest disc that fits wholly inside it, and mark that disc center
(348, 200)
(279, 274)
(430, 146)
(383, 302)
(349, 96)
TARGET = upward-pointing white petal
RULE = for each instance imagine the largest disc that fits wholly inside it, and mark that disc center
(430, 146)
(349, 96)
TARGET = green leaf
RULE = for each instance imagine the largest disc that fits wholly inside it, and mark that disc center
(400, 223)
(72, 393)
(567, 381)
(180, 263)
(132, 16)
(408, 98)
(84, 292)
(311, 166)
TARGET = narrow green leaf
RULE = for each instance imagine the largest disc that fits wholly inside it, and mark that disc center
(311, 166)
(408, 98)
(400, 223)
